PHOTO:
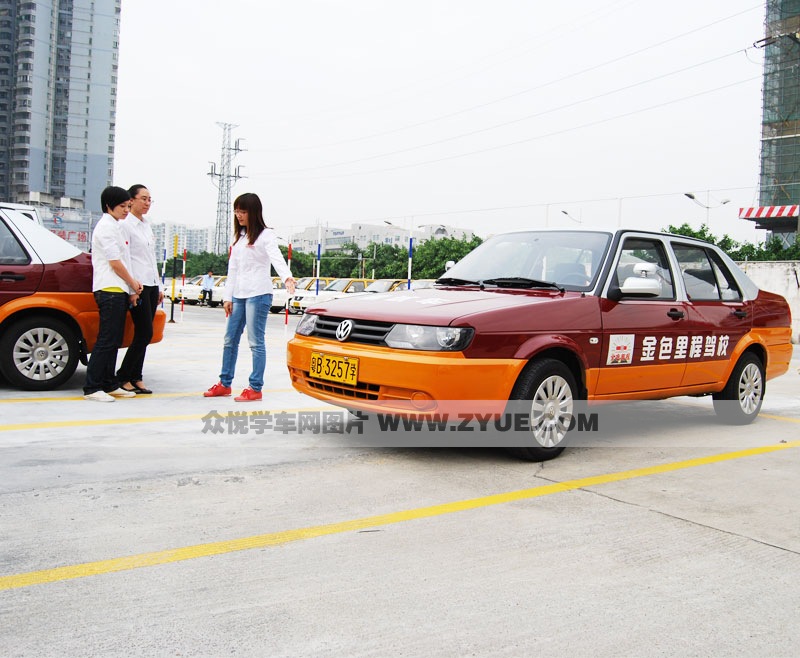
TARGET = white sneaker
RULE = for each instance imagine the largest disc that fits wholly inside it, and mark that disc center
(121, 393)
(99, 396)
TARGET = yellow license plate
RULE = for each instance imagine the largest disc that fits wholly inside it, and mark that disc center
(342, 369)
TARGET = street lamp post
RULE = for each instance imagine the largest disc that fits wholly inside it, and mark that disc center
(577, 221)
(707, 205)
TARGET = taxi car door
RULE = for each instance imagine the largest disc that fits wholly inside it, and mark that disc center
(645, 339)
(19, 275)
(718, 314)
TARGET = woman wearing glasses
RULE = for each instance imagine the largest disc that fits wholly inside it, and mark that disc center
(248, 294)
(139, 235)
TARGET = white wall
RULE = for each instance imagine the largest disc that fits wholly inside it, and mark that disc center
(782, 277)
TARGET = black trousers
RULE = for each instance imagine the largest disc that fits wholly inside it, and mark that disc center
(100, 376)
(142, 315)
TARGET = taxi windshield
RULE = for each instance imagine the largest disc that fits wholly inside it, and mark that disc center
(570, 259)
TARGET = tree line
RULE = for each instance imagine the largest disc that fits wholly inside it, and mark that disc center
(384, 261)
(770, 250)
(375, 261)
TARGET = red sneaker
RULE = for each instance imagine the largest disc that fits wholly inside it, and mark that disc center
(217, 390)
(248, 395)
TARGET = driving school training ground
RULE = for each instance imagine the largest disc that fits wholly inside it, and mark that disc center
(126, 530)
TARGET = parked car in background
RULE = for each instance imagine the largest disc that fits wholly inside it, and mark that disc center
(384, 285)
(306, 283)
(538, 320)
(48, 316)
(336, 288)
(419, 284)
(191, 291)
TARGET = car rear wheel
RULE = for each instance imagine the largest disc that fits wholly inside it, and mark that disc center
(740, 401)
(550, 388)
(38, 353)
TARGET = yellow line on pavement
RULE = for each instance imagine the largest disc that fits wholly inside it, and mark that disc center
(278, 538)
(75, 398)
(135, 420)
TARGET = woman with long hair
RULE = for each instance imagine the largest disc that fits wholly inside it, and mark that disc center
(248, 294)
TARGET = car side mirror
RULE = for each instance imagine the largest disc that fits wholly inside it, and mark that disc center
(448, 265)
(637, 286)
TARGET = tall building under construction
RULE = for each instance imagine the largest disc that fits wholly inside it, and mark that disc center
(779, 194)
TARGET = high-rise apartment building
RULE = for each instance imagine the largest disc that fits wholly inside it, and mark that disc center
(58, 87)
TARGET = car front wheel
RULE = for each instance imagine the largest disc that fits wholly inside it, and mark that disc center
(549, 388)
(740, 401)
(38, 353)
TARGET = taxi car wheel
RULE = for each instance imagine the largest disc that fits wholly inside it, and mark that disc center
(38, 353)
(740, 401)
(549, 386)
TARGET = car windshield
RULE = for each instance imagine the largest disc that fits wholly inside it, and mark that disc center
(533, 259)
(381, 285)
(337, 285)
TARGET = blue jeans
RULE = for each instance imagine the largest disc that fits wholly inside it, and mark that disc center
(251, 312)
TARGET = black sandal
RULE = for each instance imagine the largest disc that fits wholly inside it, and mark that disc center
(141, 390)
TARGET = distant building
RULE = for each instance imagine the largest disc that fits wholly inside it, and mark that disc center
(58, 89)
(333, 239)
(779, 193)
(190, 238)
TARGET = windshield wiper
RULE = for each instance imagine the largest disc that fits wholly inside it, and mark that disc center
(521, 282)
(452, 281)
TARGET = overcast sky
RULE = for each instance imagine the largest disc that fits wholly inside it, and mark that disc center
(485, 115)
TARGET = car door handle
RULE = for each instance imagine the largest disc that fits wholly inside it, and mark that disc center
(10, 276)
(675, 314)
(739, 313)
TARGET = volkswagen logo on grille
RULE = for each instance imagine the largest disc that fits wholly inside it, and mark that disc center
(344, 329)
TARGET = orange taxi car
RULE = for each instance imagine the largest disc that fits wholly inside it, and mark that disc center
(48, 316)
(551, 318)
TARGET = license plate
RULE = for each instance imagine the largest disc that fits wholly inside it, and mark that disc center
(342, 369)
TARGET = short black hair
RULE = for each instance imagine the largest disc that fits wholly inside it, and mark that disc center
(112, 196)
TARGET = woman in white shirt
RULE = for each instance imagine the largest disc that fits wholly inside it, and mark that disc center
(145, 269)
(248, 294)
(115, 288)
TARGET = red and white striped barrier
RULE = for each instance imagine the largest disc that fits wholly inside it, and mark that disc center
(769, 212)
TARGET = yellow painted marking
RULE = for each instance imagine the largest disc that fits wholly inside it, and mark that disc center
(278, 538)
(75, 398)
(135, 420)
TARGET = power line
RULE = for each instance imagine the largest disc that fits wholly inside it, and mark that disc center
(505, 123)
(517, 94)
(520, 141)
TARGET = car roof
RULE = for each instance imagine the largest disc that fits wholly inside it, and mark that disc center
(45, 244)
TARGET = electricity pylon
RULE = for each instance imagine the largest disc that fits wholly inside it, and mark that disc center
(226, 177)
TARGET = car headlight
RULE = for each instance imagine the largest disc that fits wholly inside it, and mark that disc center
(306, 325)
(435, 339)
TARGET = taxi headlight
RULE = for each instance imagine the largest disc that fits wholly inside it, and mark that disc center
(422, 337)
(306, 325)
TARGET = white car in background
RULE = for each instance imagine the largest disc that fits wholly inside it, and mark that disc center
(306, 283)
(336, 288)
(191, 290)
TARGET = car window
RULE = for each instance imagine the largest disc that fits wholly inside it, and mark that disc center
(357, 286)
(705, 277)
(11, 251)
(337, 285)
(570, 258)
(645, 257)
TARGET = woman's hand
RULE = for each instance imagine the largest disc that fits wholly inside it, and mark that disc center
(290, 285)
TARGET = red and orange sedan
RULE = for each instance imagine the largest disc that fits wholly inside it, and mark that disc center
(551, 318)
